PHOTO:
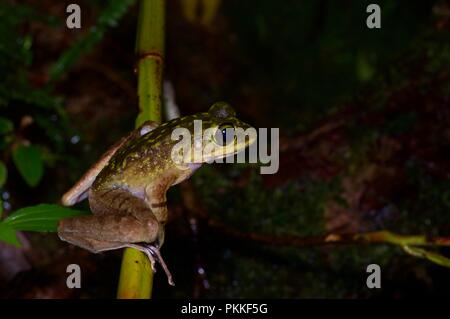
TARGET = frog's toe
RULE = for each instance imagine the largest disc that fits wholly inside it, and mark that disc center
(160, 238)
(154, 252)
(152, 262)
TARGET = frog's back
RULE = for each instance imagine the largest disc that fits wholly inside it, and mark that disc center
(79, 191)
(141, 160)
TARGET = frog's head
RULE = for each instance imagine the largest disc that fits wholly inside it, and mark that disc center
(215, 134)
(223, 133)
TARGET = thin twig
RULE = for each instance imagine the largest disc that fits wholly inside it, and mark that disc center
(407, 242)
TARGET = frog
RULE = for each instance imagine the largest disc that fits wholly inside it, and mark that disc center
(126, 188)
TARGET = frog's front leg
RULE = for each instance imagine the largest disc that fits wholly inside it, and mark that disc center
(119, 220)
(155, 197)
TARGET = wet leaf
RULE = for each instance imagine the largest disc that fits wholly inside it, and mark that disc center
(3, 174)
(8, 235)
(6, 125)
(43, 217)
(28, 161)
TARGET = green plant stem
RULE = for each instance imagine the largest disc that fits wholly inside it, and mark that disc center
(136, 276)
(150, 49)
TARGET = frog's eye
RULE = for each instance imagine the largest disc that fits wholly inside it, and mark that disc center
(222, 110)
(224, 134)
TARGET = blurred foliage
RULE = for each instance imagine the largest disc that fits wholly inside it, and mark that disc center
(312, 273)
(319, 52)
(295, 208)
(303, 61)
(208, 9)
(109, 16)
(25, 108)
(28, 161)
(28, 110)
(337, 58)
(428, 212)
(16, 58)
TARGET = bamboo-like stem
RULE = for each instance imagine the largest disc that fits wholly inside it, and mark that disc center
(150, 50)
(136, 275)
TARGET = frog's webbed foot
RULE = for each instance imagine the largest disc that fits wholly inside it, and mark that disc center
(153, 254)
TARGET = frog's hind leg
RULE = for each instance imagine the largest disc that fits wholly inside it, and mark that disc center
(120, 220)
(100, 233)
(96, 246)
(120, 202)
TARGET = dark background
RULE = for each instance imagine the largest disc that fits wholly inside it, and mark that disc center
(364, 135)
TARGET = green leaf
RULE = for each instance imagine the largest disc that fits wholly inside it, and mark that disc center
(28, 161)
(8, 235)
(3, 174)
(6, 125)
(42, 217)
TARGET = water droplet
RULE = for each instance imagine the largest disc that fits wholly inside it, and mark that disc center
(75, 139)
(6, 206)
(5, 195)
